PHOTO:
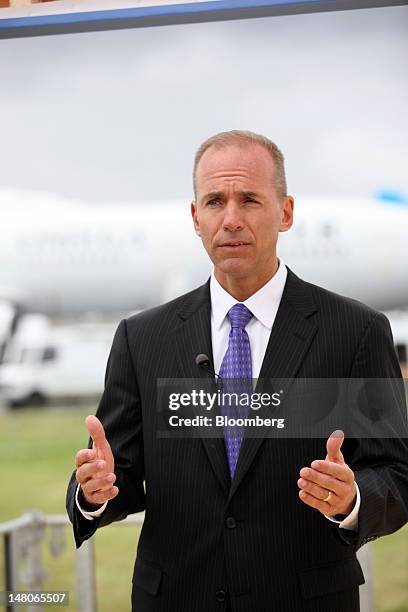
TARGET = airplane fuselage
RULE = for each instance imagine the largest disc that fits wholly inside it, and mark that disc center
(71, 258)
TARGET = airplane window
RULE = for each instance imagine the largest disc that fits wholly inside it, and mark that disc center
(49, 354)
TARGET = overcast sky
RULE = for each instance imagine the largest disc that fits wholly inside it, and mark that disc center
(118, 115)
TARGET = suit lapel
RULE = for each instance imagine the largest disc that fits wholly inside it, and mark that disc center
(291, 335)
(194, 337)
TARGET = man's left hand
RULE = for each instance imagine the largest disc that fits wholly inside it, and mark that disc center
(328, 485)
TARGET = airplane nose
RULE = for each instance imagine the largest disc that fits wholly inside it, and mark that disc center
(390, 254)
(403, 229)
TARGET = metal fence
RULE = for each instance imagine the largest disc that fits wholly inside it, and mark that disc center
(24, 538)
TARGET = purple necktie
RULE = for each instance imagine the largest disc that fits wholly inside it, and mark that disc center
(236, 377)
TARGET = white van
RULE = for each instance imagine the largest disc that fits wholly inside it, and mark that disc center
(47, 363)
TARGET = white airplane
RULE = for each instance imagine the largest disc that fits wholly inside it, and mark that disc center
(61, 257)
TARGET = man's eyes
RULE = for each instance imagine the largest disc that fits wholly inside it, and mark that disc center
(215, 202)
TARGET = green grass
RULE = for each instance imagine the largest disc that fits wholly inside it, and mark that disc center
(37, 451)
(390, 568)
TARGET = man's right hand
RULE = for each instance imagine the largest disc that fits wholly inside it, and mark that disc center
(95, 467)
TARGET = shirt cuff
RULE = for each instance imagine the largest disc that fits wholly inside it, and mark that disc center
(351, 521)
(89, 515)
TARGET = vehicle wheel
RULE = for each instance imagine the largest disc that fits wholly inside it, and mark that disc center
(33, 399)
(36, 399)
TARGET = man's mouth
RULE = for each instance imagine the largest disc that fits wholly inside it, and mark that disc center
(234, 244)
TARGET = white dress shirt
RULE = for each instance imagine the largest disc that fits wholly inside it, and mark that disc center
(264, 305)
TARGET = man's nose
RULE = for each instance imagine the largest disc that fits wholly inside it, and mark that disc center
(232, 220)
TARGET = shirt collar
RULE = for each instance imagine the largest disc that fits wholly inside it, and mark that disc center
(263, 304)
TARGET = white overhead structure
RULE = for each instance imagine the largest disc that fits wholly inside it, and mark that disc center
(39, 17)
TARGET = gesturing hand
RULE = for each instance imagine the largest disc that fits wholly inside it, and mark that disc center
(328, 485)
(95, 468)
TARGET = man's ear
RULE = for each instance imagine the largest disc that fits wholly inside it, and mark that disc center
(286, 214)
(195, 219)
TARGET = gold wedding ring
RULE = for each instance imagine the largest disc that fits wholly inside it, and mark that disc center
(327, 499)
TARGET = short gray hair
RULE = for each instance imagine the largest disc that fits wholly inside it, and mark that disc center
(245, 138)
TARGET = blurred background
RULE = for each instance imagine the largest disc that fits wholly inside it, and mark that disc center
(97, 137)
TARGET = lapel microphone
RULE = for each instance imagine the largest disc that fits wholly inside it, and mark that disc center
(203, 362)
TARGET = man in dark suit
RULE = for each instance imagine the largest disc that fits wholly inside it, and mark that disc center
(243, 522)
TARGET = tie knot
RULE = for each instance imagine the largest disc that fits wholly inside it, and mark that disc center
(239, 316)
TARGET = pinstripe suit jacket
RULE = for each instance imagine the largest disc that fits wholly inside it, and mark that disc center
(277, 553)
